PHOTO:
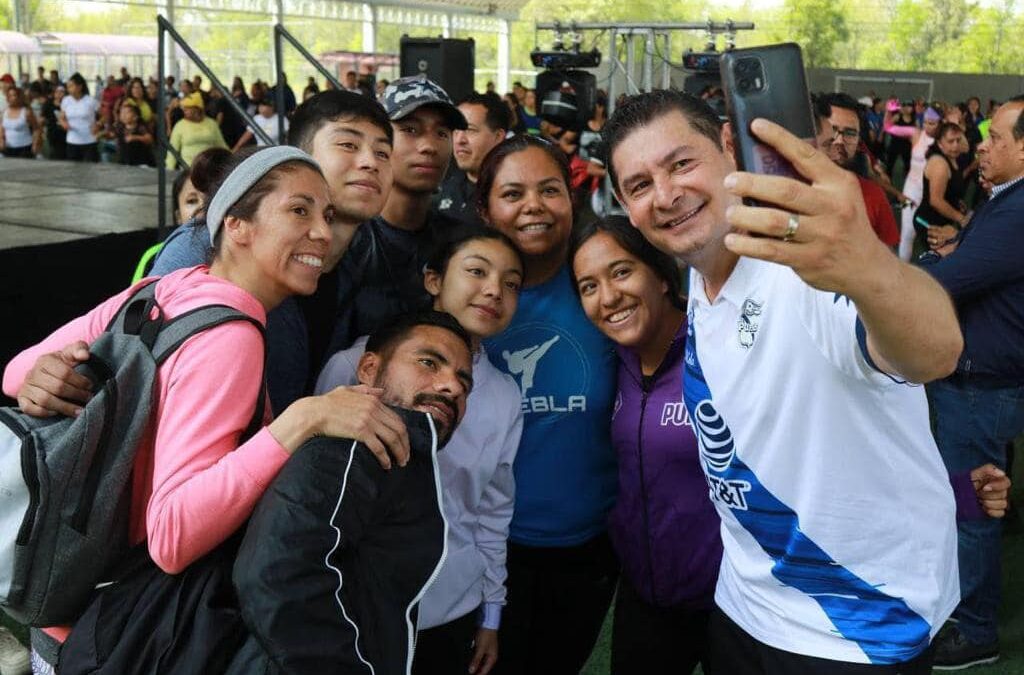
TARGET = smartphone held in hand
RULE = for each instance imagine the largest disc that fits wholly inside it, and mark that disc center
(767, 82)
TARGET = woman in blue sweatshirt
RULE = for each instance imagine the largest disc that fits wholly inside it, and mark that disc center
(663, 526)
(561, 567)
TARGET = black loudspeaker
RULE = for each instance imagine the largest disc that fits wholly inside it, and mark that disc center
(566, 98)
(448, 62)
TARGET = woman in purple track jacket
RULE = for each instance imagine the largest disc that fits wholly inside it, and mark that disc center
(663, 526)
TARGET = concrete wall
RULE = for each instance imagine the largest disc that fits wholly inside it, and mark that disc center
(950, 87)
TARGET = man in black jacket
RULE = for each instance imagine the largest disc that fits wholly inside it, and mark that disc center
(381, 273)
(340, 550)
(488, 120)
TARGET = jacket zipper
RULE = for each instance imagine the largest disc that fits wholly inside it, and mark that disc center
(643, 489)
(444, 548)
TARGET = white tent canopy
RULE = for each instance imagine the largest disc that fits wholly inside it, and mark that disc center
(100, 45)
(12, 42)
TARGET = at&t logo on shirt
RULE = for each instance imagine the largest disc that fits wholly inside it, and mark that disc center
(717, 451)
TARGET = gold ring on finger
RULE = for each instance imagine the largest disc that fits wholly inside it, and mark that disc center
(794, 225)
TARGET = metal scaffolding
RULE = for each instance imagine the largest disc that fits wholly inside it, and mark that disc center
(655, 43)
(655, 46)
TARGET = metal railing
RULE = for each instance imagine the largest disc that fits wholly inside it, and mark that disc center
(164, 30)
(280, 35)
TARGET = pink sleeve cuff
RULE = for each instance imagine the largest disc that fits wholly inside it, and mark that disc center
(262, 457)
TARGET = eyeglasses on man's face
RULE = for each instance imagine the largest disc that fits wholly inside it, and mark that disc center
(848, 135)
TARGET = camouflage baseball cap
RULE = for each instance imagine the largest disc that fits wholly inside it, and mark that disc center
(406, 94)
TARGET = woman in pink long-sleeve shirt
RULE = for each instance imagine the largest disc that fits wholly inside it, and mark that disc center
(913, 187)
(193, 485)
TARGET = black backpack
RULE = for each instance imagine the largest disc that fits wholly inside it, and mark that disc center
(64, 482)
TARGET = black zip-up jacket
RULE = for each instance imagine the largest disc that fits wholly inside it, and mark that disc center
(336, 557)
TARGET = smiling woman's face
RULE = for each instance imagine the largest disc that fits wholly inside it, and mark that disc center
(529, 202)
(620, 293)
(479, 287)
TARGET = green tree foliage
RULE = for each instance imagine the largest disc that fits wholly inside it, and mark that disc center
(34, 11)
(944, 35)
(819, 26)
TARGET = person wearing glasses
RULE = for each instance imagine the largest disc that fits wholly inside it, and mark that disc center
(838, 123)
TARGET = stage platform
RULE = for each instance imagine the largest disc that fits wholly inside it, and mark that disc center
(48, 202)
(70, 237)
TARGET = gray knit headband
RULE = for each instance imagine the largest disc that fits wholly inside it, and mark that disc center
(246, 175)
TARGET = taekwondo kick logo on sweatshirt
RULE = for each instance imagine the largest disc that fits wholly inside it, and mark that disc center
(551, 369)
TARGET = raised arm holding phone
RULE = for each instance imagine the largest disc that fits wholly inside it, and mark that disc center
(796, 361)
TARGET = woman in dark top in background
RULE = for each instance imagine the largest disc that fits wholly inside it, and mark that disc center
(941, 214)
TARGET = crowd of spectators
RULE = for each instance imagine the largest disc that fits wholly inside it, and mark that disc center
(113, 120)
(851, 576)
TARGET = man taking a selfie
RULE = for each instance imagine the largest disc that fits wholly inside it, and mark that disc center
(804, 334)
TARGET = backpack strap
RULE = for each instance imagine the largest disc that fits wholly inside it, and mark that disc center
(175, 332)
(136, 316)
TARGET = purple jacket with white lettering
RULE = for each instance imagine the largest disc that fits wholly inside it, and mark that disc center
(663, 526)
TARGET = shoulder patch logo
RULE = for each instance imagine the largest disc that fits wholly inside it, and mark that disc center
(749, 322)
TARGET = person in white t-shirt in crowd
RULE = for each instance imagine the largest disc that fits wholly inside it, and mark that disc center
(803, 333)
(21, 134)
(78, 113)
(266, 120)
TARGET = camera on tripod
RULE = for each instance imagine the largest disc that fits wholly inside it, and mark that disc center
(566, 94)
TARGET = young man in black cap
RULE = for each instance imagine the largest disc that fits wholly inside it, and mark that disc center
(381, 274)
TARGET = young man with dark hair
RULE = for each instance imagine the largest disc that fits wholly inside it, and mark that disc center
(488, 120)
(381, 274)
(350, 137)
(838, 120)
(803, 331)
(338, 551)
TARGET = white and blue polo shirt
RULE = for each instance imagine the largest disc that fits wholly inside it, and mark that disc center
(837, 516)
